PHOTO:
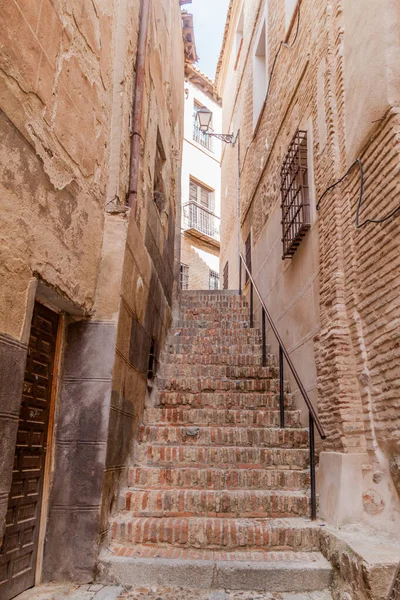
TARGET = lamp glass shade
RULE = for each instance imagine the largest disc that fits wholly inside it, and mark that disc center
(204, 116)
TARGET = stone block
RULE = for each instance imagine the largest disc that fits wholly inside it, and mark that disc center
(340, 487)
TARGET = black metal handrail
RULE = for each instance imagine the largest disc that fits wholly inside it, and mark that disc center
(284, 354)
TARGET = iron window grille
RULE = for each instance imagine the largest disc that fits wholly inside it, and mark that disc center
(248, 255)
(226, 275)
(152, 366)
(214, 280)
(295, 195)
(184, 277)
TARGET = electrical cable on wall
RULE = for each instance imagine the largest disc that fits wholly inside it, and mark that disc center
(358, 162)
(281, 44)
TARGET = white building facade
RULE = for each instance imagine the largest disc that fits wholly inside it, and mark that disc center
(201, 187)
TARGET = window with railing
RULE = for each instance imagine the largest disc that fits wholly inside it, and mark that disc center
(201, 137)
(184, 277)
(295, 197)
(214, 280)
(226, 276)
(198, 213)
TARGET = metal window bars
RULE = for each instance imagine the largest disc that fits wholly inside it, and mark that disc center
(184, 277)
(214, 280)
(201, 137)
(295, 197)
(201, 219)
(314, 420)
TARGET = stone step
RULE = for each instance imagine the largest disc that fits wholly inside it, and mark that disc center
(222, 456)
(213, 478)
(210, 384)
(297, 534)
(220, 417)
(217, 371)
(305, 573)
(225, 436)
(233, 400)
(256, 504)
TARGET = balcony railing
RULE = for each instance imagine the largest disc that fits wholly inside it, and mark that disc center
(202, 138)
(200, 219)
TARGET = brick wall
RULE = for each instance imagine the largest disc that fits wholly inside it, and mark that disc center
(199, 269)
(334, 302)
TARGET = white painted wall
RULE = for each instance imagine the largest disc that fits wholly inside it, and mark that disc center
(197, 161)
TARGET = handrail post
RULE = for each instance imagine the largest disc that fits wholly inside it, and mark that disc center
(240, 276)
(281, 389)
(264, 341)
(312, 470)
(251, 306)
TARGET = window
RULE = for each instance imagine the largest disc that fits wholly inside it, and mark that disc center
(158, 187)
(239, 36)
(199, 136)
(248, 255)
(295, 195)
(202, 195)
(226, 275)
(290, 6)
(214, 280)
(184, 277)
(152, 366)
(260, 73)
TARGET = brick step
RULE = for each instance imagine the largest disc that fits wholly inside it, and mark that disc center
(225, 400)
(225, 334)
(253, 359)
(305, 573)
(297, 534)
(271, 437)
(232, 322)
(211, 384)
(205, 312)
(220, 417)
(177, 345)
(212, 478)
(216, 503)
(222, 456)
(218, 371)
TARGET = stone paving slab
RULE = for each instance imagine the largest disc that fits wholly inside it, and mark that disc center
(109, 592)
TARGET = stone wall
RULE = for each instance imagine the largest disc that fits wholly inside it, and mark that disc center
(199, 260)
(334, 302)
(67, 87)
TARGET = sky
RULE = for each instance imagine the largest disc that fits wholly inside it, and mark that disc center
(209, 18)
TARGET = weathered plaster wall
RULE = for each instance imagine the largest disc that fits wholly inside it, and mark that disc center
(68, 77)
(55, 81)
(334, 303)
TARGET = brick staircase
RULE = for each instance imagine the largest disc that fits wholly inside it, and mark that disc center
(219, 495)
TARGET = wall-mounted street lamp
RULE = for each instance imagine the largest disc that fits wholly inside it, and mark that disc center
(203, 118)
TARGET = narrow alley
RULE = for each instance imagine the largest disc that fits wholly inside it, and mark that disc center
(199, 317)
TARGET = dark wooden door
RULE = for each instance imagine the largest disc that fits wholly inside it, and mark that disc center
(19, 550)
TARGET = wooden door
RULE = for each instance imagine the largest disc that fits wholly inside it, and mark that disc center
(19, 550)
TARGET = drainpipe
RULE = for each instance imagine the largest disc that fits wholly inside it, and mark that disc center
(138, 104)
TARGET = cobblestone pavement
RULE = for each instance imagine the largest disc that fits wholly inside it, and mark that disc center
(109, 592)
